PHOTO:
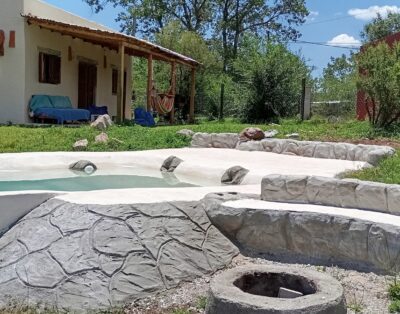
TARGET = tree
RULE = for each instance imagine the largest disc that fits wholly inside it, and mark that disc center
(274, 19)
(150, 16)
(272, 76)
(381, 27)
(338, 83)
(379, 79)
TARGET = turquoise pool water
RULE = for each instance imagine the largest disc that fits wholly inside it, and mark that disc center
(91, 183)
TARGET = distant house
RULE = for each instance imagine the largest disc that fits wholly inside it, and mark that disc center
(362, 113)
(47, 51)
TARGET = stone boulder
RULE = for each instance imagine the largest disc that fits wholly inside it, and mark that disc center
(185, 132)
(170, 164)
(102, 138)
(81, 145)
(251, 134)
(234, 175)
(83, 166)
(102, 122)
(271, 133)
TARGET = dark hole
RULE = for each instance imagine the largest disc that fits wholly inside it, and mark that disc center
(233, 193)
(268, 284)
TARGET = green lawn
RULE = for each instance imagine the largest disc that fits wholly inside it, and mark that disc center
(25, 139)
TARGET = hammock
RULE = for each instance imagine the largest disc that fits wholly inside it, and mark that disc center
(162, 103)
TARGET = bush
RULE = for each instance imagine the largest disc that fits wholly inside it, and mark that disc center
(273, 77)
(379, 79)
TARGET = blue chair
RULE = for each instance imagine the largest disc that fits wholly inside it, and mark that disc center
(144, 118)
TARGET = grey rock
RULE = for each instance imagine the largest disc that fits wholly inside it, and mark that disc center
(323, 151)
(186, 132)
(393, 199)
(340, 151)
(321, 190)
(115, 238)
(11, 253)
(39, 270)
(250, 146)
(371, 196)
(80, 145)
(102, 138)
(160, 210)
(294, 136)
(271, 133)
(224, 140)
(234, 175)
(202, 140)
(116, 211)
(346, 193)
(102, 122)
(374, 157)
(170, 164)
(83, 166)
(195, 212)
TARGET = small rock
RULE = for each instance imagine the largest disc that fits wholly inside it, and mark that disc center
(271, 133)
(102, 138)
(81, 145)
(186, 132)
(102, 122)
(251, 134)
(293, 136)
(234, 175)
(170, 164)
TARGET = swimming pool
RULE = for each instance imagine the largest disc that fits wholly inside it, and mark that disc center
(92, 183)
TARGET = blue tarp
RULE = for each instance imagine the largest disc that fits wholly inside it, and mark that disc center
(62, 115)
(144, 118)
(56, 107)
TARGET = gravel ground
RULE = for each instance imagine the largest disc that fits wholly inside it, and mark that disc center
(365, 292)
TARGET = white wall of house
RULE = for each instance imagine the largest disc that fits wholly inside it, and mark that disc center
(12, 64)
(19, 68)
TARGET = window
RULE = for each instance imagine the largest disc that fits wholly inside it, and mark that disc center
(49, 68)
(114, 81)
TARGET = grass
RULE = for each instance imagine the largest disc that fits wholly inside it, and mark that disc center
(394, 295)
(15, 139)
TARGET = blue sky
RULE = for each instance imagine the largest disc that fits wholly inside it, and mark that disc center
(335, 22)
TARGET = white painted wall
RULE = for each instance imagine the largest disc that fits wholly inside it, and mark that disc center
(20, 66)
(12, 65)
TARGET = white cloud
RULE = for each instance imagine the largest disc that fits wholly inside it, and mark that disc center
(312, 15)
(344, 40)
(373, 11)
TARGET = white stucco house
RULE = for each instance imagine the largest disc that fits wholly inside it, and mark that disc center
(47, 51)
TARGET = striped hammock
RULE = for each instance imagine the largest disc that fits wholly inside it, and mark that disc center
(162, 103)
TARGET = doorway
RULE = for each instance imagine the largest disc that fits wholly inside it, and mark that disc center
(87, 84)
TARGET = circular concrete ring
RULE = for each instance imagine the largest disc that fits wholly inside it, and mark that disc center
(226, 297)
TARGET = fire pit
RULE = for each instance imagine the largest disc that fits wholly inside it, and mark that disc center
(277, 290)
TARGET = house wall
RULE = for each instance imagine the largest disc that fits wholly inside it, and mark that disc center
(37, 39)
(12, 64)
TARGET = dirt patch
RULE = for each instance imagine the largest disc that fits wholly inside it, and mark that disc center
(365, 292)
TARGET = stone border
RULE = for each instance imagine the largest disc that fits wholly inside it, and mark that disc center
(372, 154)
(225, 297)
(307, 237)
(347, 193)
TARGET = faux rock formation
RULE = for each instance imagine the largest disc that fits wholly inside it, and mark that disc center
(251, 134)
(83, 166)
(234, 175)
(81, 145)
(170, 164)
(89, 257)
(102, 122)
(271, 133)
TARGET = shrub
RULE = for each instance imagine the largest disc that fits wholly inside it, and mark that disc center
(379, 79)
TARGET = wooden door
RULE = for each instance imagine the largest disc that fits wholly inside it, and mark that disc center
(87, 83)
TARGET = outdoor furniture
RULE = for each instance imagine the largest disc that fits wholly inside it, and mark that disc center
(57, 108)
(144, 118)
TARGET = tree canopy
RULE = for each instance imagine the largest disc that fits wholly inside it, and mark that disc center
(381, 27)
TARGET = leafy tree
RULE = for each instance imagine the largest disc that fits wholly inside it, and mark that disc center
(381, 27)
(338, 83)
(150, 16)
(272, 76)
(379, 79)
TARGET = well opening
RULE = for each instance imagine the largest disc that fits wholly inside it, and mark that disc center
(272, 284)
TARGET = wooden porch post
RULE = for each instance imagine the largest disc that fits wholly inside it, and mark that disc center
(120, 95)
(149, 80)
(192, 94)
(173, 89)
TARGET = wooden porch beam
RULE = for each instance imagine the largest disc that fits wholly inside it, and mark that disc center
(120, 95)
(173, 89)
(192, 95)
(149, 81)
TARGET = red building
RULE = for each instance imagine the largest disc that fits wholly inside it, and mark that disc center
(362, 113)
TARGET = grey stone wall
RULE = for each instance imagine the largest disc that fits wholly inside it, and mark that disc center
(372, 154)
(347, 193)
(309, 237)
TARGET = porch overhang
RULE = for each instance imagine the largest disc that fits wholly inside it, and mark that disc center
(113, 40)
